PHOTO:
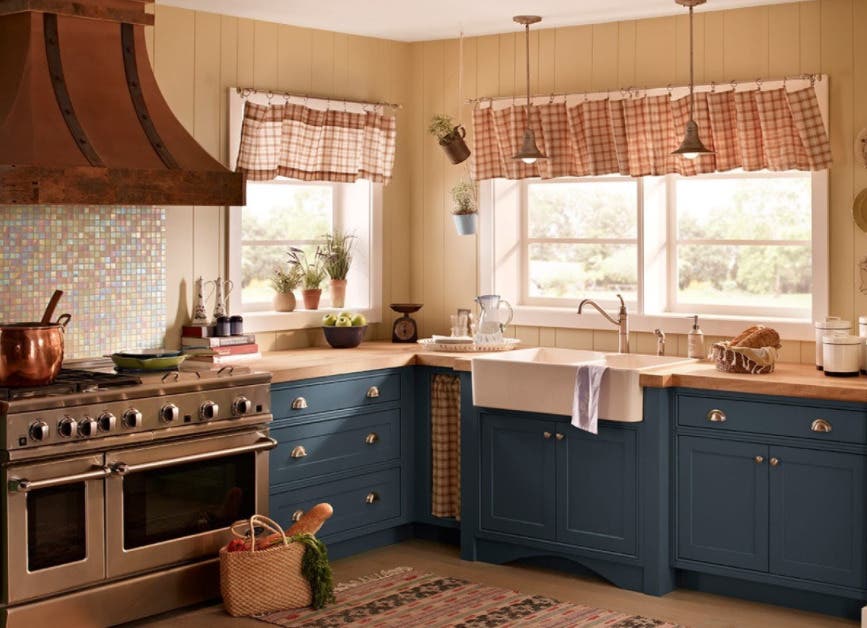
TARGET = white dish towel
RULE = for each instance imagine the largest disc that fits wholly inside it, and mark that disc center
(585, 402)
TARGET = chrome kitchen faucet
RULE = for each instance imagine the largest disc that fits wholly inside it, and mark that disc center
(622, 322)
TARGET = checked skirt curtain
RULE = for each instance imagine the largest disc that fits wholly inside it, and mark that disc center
(754, 130)
(309, 144)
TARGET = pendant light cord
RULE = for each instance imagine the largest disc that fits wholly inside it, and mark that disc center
(691, 69)
(527, 41)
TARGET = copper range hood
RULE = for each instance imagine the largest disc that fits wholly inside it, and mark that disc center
(82, 120)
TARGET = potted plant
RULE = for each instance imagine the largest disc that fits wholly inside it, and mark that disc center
(465, 211)
(284, 282)
(337, 257)
(450, 136)
(311, 273)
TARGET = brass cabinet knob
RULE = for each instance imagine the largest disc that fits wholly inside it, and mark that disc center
(547, 435)
(371, 498)
(759, 459)
(716, 416)
(560, 436)
(372, 392)
(298, 452)
(820, 425)
(775, 462)
(296, 516)
(299, 403)
(371, 438)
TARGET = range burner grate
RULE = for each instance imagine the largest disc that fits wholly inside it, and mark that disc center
(71, 381)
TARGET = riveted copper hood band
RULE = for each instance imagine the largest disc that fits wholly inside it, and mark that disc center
(82, 120)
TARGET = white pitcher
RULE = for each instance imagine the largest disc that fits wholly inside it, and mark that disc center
(222, 290)
(200, 315)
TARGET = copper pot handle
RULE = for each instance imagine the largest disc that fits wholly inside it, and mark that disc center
(63, 320)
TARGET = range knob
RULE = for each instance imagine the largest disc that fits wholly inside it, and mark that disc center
(67, 427)
(87, 427)
(242, 406)
(39, 431)
(106, 421)
(209, 410)
(169, 413)
(131, 419)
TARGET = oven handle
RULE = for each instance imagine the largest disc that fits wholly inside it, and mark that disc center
(23, 485)
(122, 468)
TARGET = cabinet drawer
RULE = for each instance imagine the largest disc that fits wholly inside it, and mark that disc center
(773, 417)
(336, 444)
(312, 397)
(358, 501)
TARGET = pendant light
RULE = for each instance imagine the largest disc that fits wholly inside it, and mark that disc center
(691, 147)
(529, 152)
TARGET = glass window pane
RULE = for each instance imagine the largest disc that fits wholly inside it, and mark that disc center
(771, 208)
(778, 276)
(286, 211)
(589, 270)
(56, 526)
(586, 209)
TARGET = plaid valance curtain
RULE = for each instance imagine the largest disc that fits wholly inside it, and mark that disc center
(755, 129)
(314, 145)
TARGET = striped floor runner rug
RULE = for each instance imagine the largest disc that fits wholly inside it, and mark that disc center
(404, 598)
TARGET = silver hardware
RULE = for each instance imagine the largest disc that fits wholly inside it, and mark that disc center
(296, 516)
(372, 392)
(131, 419)
(660, 341)
(298, 452)
(23, 485)
(371, 438)
(299, 403)
(716, 416)
(759, 459)
(775, 462)
(106, 422)
(122, 468)
(169, 413)
(209, 410)
(67, 427)
(242, 406)
(559, 436)
(39, 431)
(371, 498)
(622, 321)
(820, 425)
(547, 435)
(87, 427)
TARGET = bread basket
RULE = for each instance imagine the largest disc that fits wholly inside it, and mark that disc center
(754, 351)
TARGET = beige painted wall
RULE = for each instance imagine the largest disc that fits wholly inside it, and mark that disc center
(771, 42)
(198, 56)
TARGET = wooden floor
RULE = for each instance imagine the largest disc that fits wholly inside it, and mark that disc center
(685, 607)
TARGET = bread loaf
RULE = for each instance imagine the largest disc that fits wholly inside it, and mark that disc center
(762, 337)
(736, 341)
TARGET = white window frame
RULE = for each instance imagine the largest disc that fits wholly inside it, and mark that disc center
(256, 317)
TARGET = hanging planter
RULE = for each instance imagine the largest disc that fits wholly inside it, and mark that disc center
(466, 224)
(451, 137)
(465, 212)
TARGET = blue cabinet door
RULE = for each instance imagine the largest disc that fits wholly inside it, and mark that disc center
(597, 488)
(518, 476)
(722, 502)
(817, 515)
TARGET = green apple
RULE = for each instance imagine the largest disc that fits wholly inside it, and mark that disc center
(329, 320)
(358, 320)
(343, 321)
(345, 313)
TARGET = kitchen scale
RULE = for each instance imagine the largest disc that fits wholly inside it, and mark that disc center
(405, 328)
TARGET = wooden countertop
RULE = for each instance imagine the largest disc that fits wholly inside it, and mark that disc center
(788, 380)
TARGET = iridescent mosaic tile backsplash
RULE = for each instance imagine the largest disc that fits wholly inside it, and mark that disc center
(109, 261)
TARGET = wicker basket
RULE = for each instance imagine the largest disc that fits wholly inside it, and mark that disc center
(261, 581)
(729, 359)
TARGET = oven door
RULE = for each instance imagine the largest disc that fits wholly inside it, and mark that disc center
(172, 503)
(54, 526)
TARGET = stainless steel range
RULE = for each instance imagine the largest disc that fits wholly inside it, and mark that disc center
(120, 490)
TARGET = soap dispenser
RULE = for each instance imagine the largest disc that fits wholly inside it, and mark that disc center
(695, 340)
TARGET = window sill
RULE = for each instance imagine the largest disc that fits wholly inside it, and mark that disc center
(711, 325)
(255, 322)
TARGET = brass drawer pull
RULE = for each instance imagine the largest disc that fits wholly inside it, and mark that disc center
(775, 462)
(716, 416)
(298, 452)
(371, 438)
(547, 435)
(299, 403)
(559, 436)
(759, 459)
(820, 425)
(371, 498)
(372, 392)
(296, 516)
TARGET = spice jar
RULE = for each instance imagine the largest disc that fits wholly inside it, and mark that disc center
(841, 354)
(236, 325)
(223, 326)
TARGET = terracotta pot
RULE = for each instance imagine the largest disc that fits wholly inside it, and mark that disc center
(465, 223)
(311, 298)
(455, 147)
(284, 301)
(338, 292)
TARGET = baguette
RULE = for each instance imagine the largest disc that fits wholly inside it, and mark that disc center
(312, 520)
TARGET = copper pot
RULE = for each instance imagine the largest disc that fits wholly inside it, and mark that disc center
(31, 353)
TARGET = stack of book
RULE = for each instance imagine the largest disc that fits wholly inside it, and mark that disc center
(221, 349)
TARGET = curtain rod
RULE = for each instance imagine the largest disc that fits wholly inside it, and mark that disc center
(634, 91)
(244, 92)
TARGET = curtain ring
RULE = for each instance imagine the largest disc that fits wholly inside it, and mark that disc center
(269, 96)
(734, 85)
(759, 83)
(551, 99)
(813, 80)
(668, 89)
(712, 87)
